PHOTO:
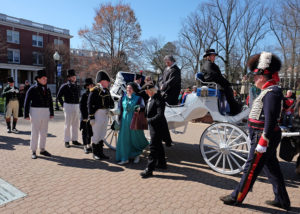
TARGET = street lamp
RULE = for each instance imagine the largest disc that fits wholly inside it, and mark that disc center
(56, 58)
(158, 72)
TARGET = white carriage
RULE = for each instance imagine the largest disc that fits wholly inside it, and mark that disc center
(224, 145)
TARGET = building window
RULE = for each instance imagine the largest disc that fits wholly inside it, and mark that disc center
(13, 36)
(38, 58)
(13, 55)
(58, 42)
(37, 41)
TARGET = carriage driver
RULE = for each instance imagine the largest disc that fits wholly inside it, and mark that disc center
(264, 133)
(99, 102)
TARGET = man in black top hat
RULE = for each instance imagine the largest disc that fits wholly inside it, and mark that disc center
(171, 81)
(38, 108)
(11, 93)
(85, 125)
(71, 93)
(99, 103)
(212, 73)
(264, 133)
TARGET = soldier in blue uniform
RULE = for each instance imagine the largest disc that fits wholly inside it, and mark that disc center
(264, 133)
(99, 103)
(71, 93)
(11, 93)
(38, 108)
(85, 125)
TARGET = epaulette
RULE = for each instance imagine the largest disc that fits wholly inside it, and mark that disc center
(92, 89)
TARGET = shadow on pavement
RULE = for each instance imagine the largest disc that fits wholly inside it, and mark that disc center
(293, 210)
(82, 163)
(11, 142)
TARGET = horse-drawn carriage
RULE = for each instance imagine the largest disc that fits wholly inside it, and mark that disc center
(224, 145)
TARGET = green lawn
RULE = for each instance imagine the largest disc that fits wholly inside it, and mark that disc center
(2, 105)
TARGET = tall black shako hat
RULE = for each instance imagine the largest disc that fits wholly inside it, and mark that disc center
(138, 75)
(264, 63)
(88, 81)
(210, 52)
(71, 73)
(10, 79)
(102, 75)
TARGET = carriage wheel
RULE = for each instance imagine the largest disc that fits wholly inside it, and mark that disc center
(225, 148)
(111, 137)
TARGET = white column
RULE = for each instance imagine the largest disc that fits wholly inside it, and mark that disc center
(12, 72)
(16, 77)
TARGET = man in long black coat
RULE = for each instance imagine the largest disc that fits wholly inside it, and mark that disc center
(212, 73)
(171, 81)
(156, 119)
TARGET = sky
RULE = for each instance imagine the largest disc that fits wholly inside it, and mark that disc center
(158, 18)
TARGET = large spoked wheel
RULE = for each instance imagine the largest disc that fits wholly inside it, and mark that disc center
(111, 137)
(225, 148)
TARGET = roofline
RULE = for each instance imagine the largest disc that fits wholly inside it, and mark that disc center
(33, 26)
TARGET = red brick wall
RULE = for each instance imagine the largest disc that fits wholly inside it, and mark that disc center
(26, 49)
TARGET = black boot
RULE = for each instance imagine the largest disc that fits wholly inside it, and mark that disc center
(146, 173)
(101, 154)
(8, 127)
(14, 130)
(95, 149)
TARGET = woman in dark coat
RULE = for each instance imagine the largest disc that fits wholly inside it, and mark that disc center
(155, 116)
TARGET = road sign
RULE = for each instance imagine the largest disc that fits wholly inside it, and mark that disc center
(59, 70)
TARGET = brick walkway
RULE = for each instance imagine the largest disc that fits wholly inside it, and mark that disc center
(72, 182)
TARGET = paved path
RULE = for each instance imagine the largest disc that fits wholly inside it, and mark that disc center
(72, 182)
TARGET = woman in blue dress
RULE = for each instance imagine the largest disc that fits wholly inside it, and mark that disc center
(131, 143)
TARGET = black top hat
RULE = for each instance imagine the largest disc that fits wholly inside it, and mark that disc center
(102, 75)
(148, 86)
(10, 79)
(41, 73)
(138, 76)
(71, 73)
(88, 81)
(264, 63)
(210, 52)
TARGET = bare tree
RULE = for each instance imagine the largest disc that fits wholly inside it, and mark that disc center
(115, 31)
(229, 14)
(284, 21)
(252, 29)
(194, 37)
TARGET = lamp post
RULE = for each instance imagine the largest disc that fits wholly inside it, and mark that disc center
(158, 72)
(56, 58)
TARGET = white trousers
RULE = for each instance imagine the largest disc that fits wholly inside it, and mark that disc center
(72, 116)
(39, 127)
(100, 126)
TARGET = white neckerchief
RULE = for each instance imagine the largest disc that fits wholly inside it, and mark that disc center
(103, 89)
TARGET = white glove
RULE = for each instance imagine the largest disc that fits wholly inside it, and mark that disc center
(261, 149)
(92, 122)
(16, 90)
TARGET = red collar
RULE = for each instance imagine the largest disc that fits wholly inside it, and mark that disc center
(269, 83)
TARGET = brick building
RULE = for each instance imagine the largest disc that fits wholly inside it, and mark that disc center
(26, 47)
